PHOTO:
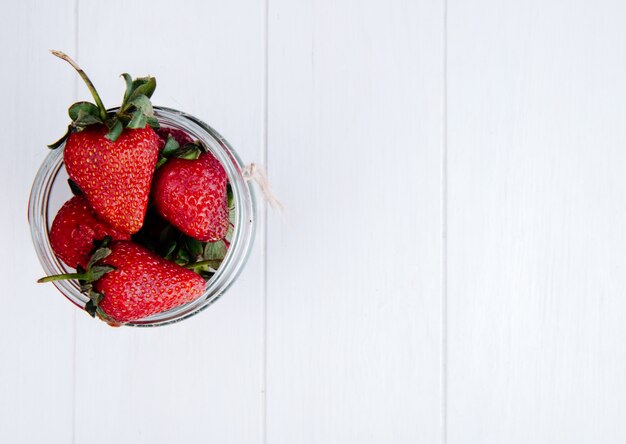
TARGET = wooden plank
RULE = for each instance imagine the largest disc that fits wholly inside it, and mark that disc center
(197, 381)
(353, 314)
(537, 160)
(37, 340)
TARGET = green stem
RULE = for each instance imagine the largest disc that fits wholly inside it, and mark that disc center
(92, 89)
(62, 277)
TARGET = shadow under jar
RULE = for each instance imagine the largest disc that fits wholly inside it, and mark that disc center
(50, 190)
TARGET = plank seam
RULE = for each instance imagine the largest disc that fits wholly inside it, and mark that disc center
(264, 142)
(444, 227)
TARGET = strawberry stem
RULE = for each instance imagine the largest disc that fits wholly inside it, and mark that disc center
(92, 89)
(63, 277)
(93, 272)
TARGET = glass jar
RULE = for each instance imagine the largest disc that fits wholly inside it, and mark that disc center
(50, 190)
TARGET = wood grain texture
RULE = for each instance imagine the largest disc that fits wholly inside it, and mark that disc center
(197, 381)
(353, 328)
(37, 329)
(536, 245)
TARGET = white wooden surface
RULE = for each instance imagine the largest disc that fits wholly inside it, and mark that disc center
(353, 291)
(536, 222)
(450, 265)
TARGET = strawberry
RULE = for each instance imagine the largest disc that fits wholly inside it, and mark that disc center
(192, 195)
(112, 156)
(74, 230)
(127, 282)
(144, 284)
(115, 176)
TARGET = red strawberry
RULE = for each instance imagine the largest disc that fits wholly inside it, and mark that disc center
(143, 283)
(192, 196)
(74, 230)
(112, 156)
(115, 176)
(126, 282)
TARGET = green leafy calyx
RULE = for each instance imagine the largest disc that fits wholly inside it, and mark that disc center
(86, 277)
(135, 112)
(172, 149)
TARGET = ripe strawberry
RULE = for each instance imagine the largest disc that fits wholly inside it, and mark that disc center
(143, 283)
(115, 176)
(112, 156)
(192, 195)
(74, 230)
(127, 282)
